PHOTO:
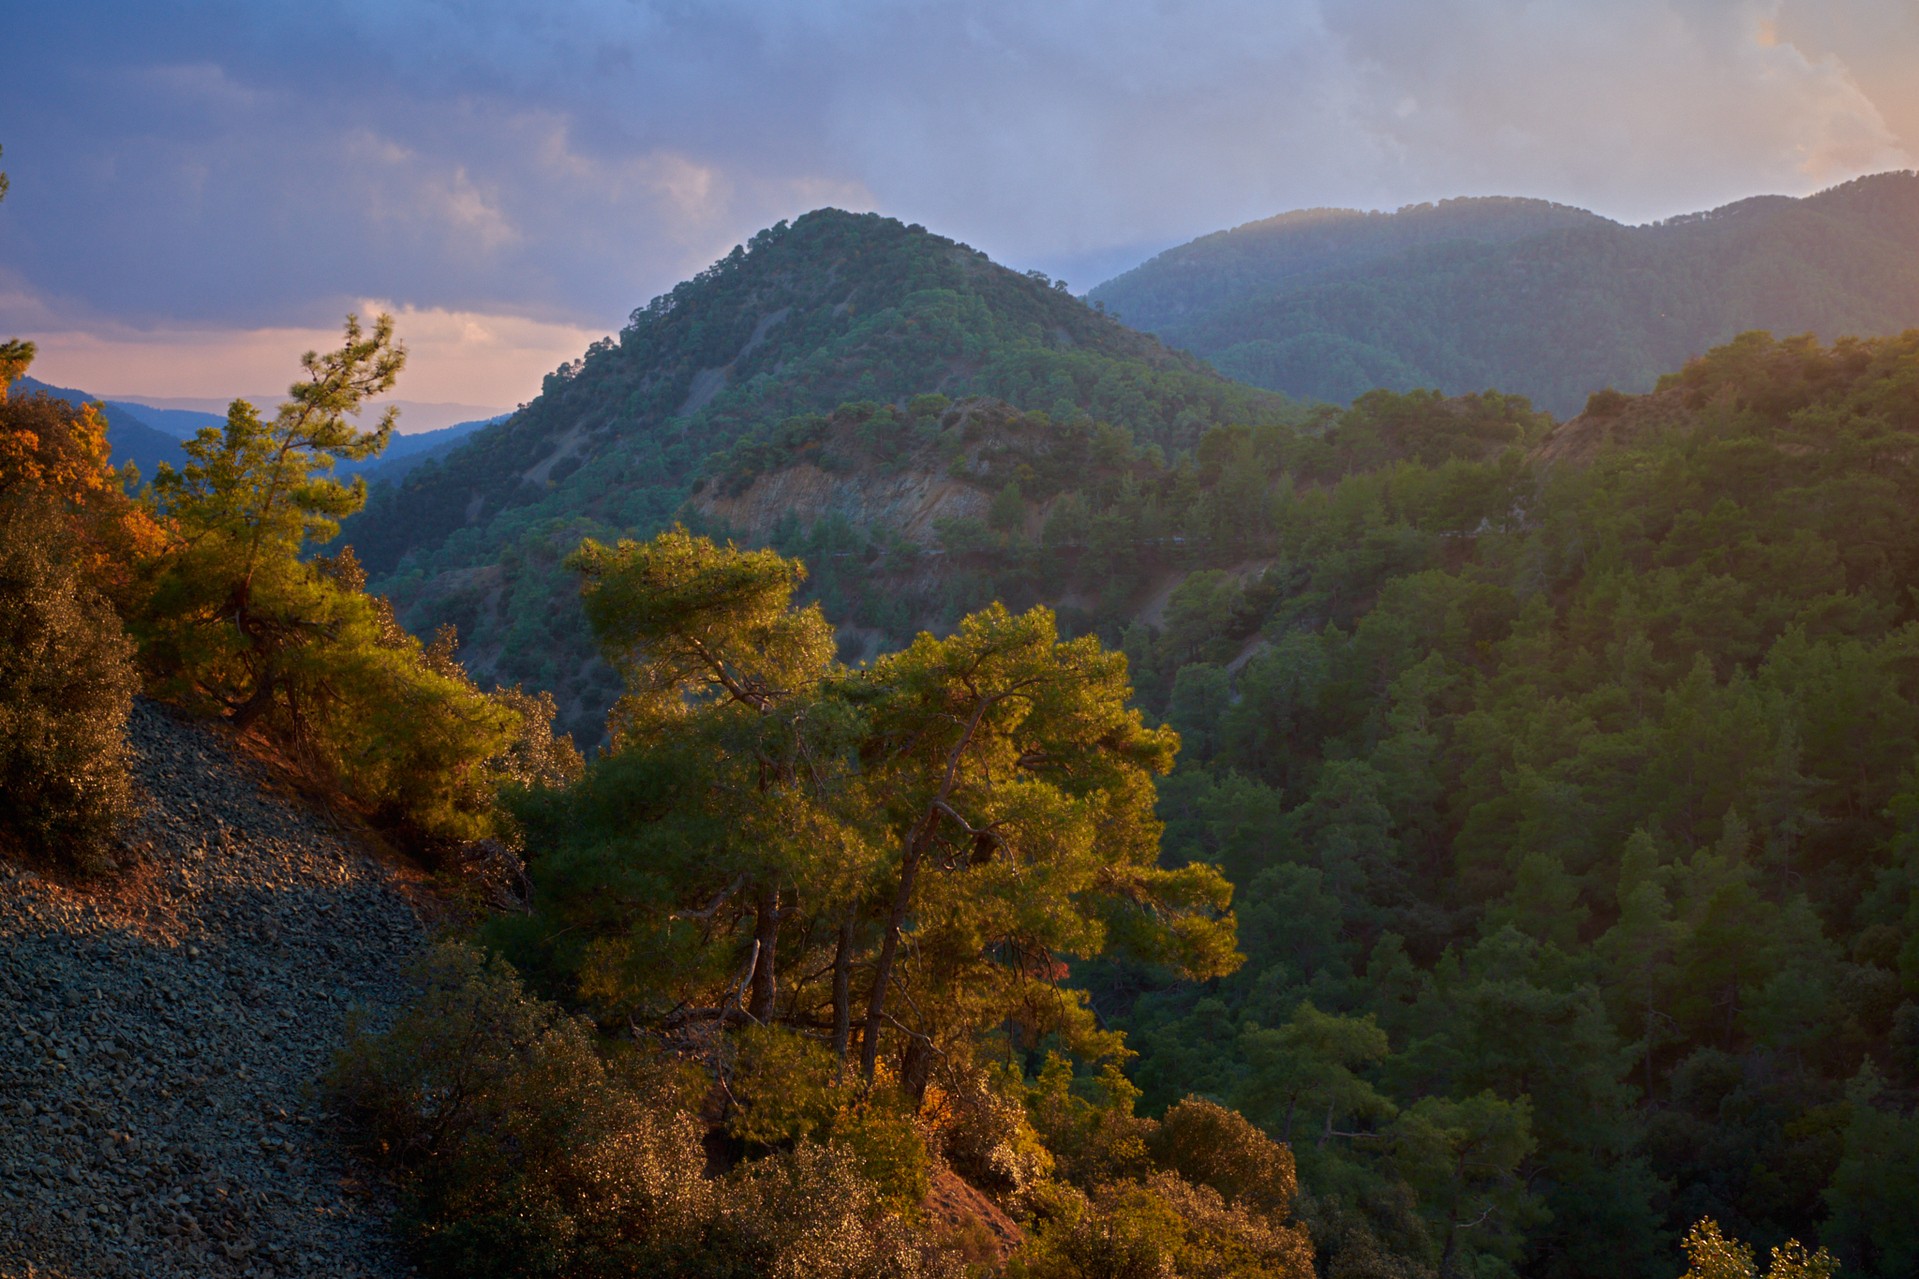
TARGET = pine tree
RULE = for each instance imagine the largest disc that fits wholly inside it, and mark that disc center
(236, 604)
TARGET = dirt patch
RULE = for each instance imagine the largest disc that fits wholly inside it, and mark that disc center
(1627, 421)
(963, 1218)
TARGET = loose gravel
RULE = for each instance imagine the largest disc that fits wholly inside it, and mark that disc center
(161, 1036)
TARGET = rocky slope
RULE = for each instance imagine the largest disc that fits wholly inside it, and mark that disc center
(161, 1035)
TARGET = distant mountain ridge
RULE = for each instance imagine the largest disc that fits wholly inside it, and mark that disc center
(1524, 295)
(148, 435)
(1308, 244)
(181, 424)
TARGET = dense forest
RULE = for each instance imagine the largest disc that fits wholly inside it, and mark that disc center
(834, 307)
(1534, 298)
(1565, 778)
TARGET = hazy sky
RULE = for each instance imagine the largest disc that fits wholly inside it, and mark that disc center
(202, 190)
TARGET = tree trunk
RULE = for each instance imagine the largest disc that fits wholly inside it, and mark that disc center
(254, 707)
(843, 993)
(903, 897)
(766, 935)
(916, 1067)
(883, 968)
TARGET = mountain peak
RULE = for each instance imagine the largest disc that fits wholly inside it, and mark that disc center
(830, 309)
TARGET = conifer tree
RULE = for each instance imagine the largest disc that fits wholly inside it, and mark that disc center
(241, 618)
(897, 858)
(237, 605)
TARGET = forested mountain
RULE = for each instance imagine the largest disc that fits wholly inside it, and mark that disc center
(1566, 776)
(413, 449)
(836, 307)
(1534, 298)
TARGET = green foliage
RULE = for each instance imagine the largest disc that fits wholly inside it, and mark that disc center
(66, 684)
(1209, 1145)
(782, 1086)
(1308, 1066)
(1873, 1181)
(1463, 1159)
(882, 1131)
(1116, 520)
(686, 622)
(236, 608)
(1591, 810)
(1087, 1122)
(901, 855)
(850, 896)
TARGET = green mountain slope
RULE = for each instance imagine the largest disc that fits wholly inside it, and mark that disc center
(836, 307)
(1568, 777)
(1533, 298)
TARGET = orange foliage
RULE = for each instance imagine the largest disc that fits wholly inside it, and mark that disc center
(52, 447)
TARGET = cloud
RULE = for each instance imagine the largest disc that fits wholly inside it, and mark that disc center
(261, 166)
(398, 185)
(468, 358)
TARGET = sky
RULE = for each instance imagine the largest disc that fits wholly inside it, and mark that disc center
(201, 191)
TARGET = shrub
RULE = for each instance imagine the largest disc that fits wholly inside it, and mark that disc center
(1606, 403)
(59, 452)
(810, 1213)
(1210, 1145)
(882, 1134)
(782, 1086)
(987, 1139)
(519, 1149)
(509, 1138)
(1088, 1124)
(66, 686)
(1162, 1228)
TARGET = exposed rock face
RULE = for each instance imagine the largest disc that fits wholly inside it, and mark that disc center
(909, 502)
(1624, 421)
(947, 470)
(160, 1036)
